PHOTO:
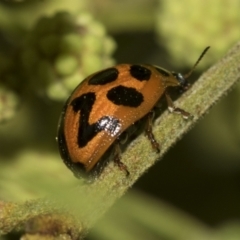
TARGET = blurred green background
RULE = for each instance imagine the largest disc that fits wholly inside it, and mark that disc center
(48, 47)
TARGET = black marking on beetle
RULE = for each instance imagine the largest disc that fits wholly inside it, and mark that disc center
(86, 131)
(76, 168)
(163, 71)
(140, 73)
(125, 96)
(104, 77)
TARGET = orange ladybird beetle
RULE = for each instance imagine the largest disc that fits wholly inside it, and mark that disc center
(105, 105)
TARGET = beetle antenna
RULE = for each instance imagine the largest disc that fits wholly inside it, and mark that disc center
(199, 59)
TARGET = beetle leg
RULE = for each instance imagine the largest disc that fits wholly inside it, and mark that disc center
(117, 158)
(149, 133)
(173, 109)
(123, 138)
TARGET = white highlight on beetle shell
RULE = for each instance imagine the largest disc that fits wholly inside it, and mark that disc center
(110, 125)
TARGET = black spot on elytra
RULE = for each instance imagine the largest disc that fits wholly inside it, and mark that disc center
(86, 131)
(125, 96)
(77, 168)
(140, 73)
(104, 77)
(163, 71)
(83, 105)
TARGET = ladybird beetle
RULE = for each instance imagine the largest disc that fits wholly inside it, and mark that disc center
(105, 105)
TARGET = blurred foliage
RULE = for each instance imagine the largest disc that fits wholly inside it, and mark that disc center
(47, 48)
(188, 26)
(61, 50)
